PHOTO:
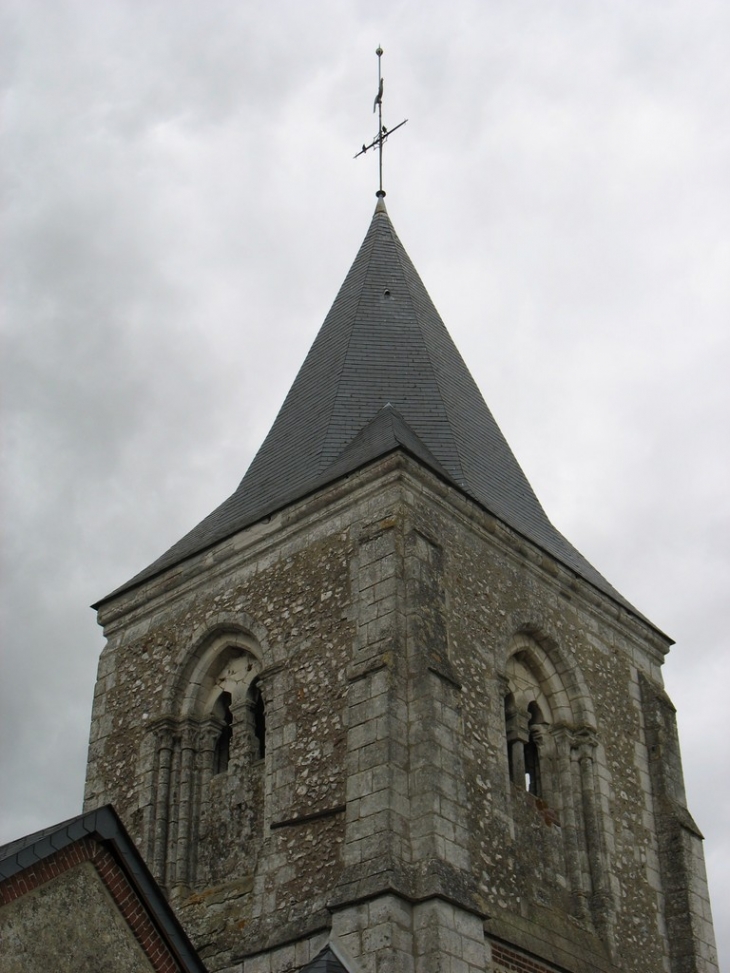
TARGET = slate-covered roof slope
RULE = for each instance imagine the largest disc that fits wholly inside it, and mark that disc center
(325, 962)
(383, 343)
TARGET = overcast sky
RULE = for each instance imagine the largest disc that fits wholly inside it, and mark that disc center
(180, 206)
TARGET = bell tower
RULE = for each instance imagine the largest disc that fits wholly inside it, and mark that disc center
(375, 713)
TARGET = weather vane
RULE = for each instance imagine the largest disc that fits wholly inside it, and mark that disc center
(383, 132)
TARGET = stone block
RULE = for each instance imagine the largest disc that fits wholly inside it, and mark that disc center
(258, 964)
(358, 737)
(377, 937)
(373, 754)
(358, 785)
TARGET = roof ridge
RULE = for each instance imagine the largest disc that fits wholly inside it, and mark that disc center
(403, 435)
(325, 438)
(462, 481)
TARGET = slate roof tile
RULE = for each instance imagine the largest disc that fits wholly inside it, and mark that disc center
(325, 962)
(383, 343)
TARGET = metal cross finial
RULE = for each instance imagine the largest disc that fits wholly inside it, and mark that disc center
(383, 132)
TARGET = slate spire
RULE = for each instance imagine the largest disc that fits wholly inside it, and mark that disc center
(383, 373)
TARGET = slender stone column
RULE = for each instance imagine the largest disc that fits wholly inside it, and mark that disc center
(568, 820)
(208, 735)
(164, 743)
(518, 734)
(173, 821)
(542, 787)
(187, 784)
(601, 899)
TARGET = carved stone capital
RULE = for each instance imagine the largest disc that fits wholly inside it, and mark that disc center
(518, 726)
(209, 732)
(586, 738)
(538, 733)
(165, 732)
(561, 733)
(189, 735)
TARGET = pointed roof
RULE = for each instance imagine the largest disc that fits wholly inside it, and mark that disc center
(383, 373)
(326, 961)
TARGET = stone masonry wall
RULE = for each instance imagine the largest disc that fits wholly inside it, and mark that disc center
(587, 853)
(281, 596)
(404, 643)
(39, 931)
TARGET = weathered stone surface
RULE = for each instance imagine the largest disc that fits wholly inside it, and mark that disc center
(43, 931)
(419, 663)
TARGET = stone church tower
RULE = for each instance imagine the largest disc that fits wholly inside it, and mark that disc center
(375, 713)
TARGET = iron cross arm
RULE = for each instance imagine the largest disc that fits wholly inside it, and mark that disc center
(380, 138)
